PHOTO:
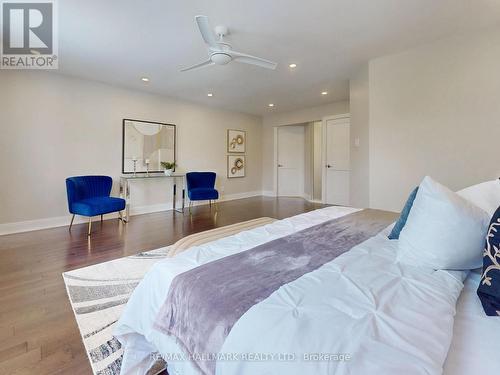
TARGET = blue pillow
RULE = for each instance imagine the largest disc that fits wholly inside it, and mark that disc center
(489, 287)
(398, 227)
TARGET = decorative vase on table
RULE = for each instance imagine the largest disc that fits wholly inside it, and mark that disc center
(168, 172)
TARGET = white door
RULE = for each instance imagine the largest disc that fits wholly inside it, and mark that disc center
(336, 161)
(290, 159)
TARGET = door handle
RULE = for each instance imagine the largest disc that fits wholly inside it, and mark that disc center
(280, 165)
(328, 166)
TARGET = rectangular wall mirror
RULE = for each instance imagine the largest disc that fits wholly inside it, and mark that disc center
(145, 141)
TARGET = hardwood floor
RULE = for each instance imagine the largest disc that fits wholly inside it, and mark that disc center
(38, 332)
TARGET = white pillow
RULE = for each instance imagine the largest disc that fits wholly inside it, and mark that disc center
(485, 195)
(443, 230)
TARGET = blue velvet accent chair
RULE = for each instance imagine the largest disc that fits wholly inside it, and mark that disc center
(89, 196)
(201, 187)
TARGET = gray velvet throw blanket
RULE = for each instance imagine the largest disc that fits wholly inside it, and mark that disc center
(204, 303)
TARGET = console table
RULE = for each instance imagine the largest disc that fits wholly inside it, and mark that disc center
(125, 189)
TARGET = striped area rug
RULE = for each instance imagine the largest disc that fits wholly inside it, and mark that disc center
(98, 294)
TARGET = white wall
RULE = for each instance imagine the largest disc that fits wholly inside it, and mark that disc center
(53, 127)
(288, 118)
(359, 109)
(434, 110)
(430, 110)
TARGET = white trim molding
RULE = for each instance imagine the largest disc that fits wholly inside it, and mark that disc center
(62, 221)
(45, 223)
(231, 197)
(269, 193)
(275, 161)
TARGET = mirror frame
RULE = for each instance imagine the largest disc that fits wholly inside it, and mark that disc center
(146, 122)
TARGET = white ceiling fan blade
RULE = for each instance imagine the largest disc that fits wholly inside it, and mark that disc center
(253, 60)
(206, 32)
(197, 66)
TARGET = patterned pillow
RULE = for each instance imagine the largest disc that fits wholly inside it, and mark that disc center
(489, 288)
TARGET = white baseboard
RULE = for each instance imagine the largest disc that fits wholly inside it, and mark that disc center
(140, 210)
(315, 201)
(49, 222)
(268, 193)
(249, 194)
(61, 221)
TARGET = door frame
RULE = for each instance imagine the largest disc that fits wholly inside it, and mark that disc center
(346, 116)
(275, 162)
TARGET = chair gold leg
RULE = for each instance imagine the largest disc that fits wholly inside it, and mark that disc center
(101, 219)
(210, 203)
(90, 225)
(71, 224)
(190, 204)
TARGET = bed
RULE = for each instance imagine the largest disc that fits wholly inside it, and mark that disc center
(474, 347)
(361, 313)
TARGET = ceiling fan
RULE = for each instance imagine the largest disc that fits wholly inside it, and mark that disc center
(221, 52)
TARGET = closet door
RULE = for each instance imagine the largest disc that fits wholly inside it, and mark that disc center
(291, 161)
(337, 161)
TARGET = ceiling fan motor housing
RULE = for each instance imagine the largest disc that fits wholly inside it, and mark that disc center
(220, 58)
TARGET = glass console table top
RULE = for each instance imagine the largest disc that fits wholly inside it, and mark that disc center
(140, 176)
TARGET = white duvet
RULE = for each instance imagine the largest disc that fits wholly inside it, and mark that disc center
(362, 313)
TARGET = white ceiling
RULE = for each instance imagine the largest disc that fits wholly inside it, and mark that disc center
(119, 41)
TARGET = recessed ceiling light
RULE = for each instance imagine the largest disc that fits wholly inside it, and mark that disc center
(145, 79)
(210, 94)
(270, 105)
(292, 66)
(324, 93)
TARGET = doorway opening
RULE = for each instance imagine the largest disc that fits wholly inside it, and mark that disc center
(312, 160)
(298, 159)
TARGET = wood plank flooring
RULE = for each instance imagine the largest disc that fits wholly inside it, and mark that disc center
(38, 332)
